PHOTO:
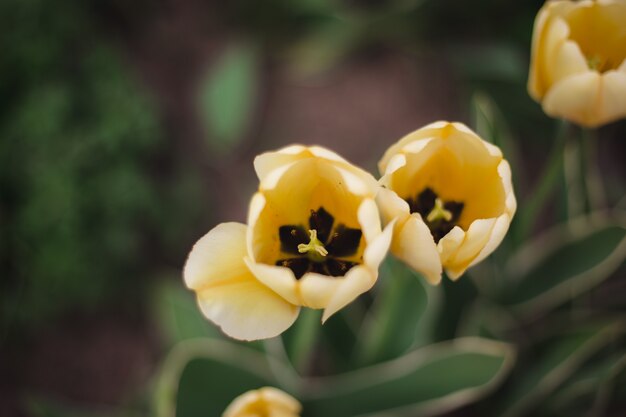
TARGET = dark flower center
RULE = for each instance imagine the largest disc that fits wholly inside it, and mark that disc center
(440, 216)
(336, 241)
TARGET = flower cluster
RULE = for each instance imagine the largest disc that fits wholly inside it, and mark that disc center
(314, 236)
(319, 227)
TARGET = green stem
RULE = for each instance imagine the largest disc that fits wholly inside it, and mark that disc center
(547, 181)
(596, 194)
(573, 171)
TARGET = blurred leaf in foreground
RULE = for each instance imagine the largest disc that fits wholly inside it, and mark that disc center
(428, 381)
(565, 262)
(559, 362)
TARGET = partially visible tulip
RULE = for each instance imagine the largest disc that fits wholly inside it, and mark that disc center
(313, 239)
(451, 196)
(578, 61)
(264, 402)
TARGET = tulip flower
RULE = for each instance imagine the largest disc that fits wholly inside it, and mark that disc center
(264, 402)
(313, 239)
(451, 196)
(578, 62)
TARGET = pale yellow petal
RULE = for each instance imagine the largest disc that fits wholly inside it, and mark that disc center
(228, 294)
(497, 235)
(536, 84)
(369, 219)
(396, 162)
(280, 399)
(316, 290)
(278, 278)
(391, 206)
(245, 309)
(321, 152)
(217, 256)
(377, 248)
(420, 134)
(556, 35)
(357, 181)
(357, 281)
(414, 244)
(568, 60)
(504, 171)
(613, 99)
(270, 181)
(475, 240)
(269, 161)
(575, 98)
(450, 244)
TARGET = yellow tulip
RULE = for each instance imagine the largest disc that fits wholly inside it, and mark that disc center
(313, 239)
(578, 61)
(264, 402)
(451, 196)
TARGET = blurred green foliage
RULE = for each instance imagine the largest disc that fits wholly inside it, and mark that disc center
(79, 139)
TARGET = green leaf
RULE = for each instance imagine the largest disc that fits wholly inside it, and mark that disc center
(427, 381)
(201, 377)
(565, 262)
(589, 389)
(177, 313)
(227, 95)
(390, 328)
(561, 360)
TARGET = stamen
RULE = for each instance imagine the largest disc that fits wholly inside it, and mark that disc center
(439, 212)
(315, 248)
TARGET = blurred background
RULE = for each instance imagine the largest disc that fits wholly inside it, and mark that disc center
(128, 130)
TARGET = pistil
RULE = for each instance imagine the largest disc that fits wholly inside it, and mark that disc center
(439, 212)
(315, 248)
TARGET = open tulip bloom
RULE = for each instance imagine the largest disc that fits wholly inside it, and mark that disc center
(313, 239)
(578, 62)
(451, 196)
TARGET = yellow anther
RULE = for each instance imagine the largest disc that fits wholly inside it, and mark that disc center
(439, 212)
(315, 248)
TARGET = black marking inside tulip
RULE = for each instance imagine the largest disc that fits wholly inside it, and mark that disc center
(340, 242)
(424, 203)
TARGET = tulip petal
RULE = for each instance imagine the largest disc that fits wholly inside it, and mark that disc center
(377, 249)
(369, 219)
(577, 98)
(217, 256)
(269, 161)
(357, 281)
(414, 244)
(228, 293)
(613, 104)
(475, 240)
(568, 60)
(450, 244)
(391, 206)
(536, 86)
(504, 170)
(316, 290)
(497, 235)
(278, 278)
